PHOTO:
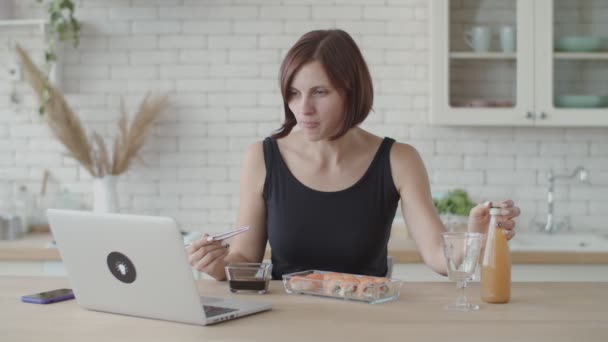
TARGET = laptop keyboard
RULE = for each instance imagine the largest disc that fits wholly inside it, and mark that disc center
(211, 310)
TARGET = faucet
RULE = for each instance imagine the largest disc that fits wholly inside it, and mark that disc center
(581, 174)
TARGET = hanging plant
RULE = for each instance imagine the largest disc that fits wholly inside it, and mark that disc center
(63, 25)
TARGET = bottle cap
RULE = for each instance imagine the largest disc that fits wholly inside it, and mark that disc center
(495, 211)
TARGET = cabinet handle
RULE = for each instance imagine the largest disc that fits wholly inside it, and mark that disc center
(543, 115)
(529, 115)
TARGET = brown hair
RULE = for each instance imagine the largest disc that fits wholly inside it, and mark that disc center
(344, 65)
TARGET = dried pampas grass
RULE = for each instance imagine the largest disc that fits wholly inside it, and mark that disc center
(132, 138)
(93, 154)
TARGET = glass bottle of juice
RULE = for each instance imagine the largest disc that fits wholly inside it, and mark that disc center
(496, 264)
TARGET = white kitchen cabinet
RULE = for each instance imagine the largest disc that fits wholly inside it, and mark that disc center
(524, 87)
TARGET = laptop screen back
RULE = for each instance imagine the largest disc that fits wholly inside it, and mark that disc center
(127, 264)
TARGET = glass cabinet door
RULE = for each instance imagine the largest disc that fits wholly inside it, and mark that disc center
(482, 63)
(573, 62)
(487, 62)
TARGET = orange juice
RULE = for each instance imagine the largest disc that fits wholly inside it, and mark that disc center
(496, 265)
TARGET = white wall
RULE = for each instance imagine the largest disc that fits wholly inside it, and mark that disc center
(218, 60)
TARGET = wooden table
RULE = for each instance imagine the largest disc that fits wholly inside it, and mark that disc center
(538, 312)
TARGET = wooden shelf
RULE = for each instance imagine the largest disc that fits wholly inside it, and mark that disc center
(41, 23)
(35, 247)
(483, 55)
(581, 55)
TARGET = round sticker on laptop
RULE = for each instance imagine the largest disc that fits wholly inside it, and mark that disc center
(121, 267)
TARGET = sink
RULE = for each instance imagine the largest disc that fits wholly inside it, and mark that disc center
(581, 242)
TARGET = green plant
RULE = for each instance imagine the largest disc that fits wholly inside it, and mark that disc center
(456, 202)
(62, 25)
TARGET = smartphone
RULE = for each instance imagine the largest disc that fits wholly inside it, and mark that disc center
(49, 296)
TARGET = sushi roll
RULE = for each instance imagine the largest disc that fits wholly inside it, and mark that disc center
(350, 284)
(310, 282)
(341, 285)
(382, 285)
(366, 287)
(371, 287)
(315, 281)
(332, 283)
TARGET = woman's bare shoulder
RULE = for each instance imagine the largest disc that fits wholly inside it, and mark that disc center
(406, 165)
(403, 153)
(254, 154)
(253, 168)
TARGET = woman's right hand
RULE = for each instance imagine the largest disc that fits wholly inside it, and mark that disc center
(207, 256)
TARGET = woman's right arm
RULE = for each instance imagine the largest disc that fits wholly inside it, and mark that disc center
(211, 257)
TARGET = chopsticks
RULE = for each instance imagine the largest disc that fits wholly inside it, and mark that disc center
(224, 235)
(227, 235)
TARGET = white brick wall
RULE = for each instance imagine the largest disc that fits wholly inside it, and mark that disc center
(219, 60)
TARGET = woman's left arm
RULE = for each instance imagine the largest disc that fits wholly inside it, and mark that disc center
(425, 227)
(411, 180)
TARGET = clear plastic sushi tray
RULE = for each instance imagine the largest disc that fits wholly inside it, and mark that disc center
(343, 286)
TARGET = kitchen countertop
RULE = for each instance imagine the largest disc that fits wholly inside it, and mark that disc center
(538, 312)
(34, 248)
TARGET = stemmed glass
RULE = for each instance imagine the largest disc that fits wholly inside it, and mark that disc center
(461, 250)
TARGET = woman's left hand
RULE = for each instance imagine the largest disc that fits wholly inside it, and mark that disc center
(479, 218)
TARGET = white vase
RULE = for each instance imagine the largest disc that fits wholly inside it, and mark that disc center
(105, 198)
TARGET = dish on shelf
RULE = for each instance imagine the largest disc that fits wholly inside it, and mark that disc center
(581, 101)
(482, 103)
(343, 286)
(578, 43)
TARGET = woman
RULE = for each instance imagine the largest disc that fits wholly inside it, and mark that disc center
(324, 196)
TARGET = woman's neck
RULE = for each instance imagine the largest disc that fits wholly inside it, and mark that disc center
(333, 152)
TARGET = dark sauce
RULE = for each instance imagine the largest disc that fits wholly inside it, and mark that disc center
(248, 285)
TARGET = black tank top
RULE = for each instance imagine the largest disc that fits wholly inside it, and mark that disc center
(342, 231)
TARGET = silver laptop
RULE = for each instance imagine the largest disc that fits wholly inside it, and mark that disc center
(136, 265)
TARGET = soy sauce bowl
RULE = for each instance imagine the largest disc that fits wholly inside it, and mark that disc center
(245, 277)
